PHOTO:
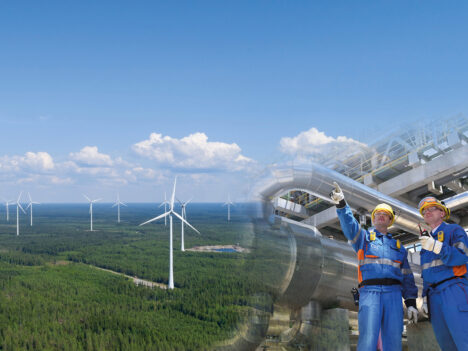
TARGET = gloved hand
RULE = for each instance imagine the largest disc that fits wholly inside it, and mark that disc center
(424, 307)
(412, 315)
(336, 195)
(428, 243)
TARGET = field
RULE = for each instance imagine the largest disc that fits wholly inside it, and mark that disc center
(53, 297)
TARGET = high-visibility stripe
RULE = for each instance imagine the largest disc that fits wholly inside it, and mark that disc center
(356, 237)
(360, 256)
(406, 271)
(434, 263)
(461, 246)
(378, 261)
(372, 256)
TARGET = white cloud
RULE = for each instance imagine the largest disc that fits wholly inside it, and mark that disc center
(90, 156)
(315, 145)
(192, 152)
(30, 162)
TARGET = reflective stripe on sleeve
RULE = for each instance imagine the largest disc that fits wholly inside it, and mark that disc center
(406, 271)
(461, 246)
(356, 237)
(434, 263)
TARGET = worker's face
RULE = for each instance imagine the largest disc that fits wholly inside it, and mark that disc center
(382, 218)
(433, 214)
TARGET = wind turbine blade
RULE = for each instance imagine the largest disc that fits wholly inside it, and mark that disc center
(123, 203)
(30, 204)
(186, 203)
(96, 200)
(87, 198)
(19, 205)
(156, 218)
(19, 197)
(115, 204)
(29, 195)
(183, 220)
(173, 193)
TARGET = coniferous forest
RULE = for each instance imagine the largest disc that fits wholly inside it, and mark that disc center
(54, 296)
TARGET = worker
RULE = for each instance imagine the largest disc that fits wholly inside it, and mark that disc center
(384, 276)
(444, 271)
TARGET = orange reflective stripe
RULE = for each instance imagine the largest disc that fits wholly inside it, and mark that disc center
(397, 261)
(372, 256)
(360, 256)
(458, 271)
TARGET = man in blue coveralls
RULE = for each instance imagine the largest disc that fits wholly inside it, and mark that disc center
(384, 276)
(444, 271)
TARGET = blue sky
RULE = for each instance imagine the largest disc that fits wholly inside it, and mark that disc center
(218, 85)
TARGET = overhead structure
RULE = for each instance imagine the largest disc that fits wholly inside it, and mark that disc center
(169, 214)
(165, 203)
(91, 202)
(30, 206)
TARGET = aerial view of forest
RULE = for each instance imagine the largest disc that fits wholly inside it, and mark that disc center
(57, 291)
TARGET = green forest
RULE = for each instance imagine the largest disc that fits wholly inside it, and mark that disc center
(54, 298)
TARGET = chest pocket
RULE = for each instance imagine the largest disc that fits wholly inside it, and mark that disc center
(374, 249)
(397, 254)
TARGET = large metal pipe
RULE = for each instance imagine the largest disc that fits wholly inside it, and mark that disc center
(318, 181)
(458, 201)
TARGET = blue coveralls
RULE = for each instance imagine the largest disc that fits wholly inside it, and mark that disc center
(448, 302)
(380, 306)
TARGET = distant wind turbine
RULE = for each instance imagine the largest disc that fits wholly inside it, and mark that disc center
(7, 203)
(165, 203)
(184, 216)
(18, 206)
(170, 213)
(91, 202)
(118, 203)
(30, 205)
(229, 203)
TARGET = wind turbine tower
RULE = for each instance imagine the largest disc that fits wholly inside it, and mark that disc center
(30, 205)
(18, 206)
(7, 203)
(184, 216)
(118, 203)
(165, 203)
(169, 214)
(91, 202)
(229, 203)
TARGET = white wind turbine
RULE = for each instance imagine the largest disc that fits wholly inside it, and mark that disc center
(118, 203)
(184, 216)
(18, 206)
(7, 203)
(91, 202)
(165, 203)
(30, 205)
(229, 203)
(166, 214)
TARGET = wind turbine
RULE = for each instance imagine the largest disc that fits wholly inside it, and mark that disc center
(165, 203)
(184, 216)
(229, 203)
(118, 203)
(18, 206)
(91, 202)
(31, 205)
(7, 203)
(169, 214)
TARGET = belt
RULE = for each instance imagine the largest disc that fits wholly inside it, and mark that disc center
(433, 286)
(383, 281)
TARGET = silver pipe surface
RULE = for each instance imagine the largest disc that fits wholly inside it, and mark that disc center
(318, 181)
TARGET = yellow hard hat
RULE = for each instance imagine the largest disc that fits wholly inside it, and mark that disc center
(432, 201)
(385, 208)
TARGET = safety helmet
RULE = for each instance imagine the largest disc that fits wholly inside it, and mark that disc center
(385, 208)
(431, 201)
